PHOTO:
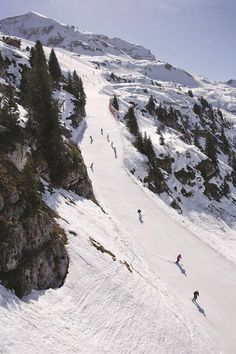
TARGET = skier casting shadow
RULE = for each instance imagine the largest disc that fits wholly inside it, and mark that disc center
(181, 268)
(200, 309)
(140, 217)
(194, 300)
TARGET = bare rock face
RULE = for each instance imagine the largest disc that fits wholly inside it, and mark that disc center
(78, 181)
(77, 178)
(185, 176)
(32, 246)
(19, 156)
(207, 169)
(33, 256)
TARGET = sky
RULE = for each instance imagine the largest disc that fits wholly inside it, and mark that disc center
(196, 35)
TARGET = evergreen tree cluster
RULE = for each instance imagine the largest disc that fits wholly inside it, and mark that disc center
(213, 121)
(115, 103)
(43, 123)
(142, 143)
(74, 86)
(131, 122)
(151, 107)
(211, 147)
(145, 146)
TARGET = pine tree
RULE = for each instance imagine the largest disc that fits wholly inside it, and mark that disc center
(25, 85)
(9, 118)
(54, 67)
(148, 147)
(151, 107)
(131, 121)
(82, 95)
(233, 165)
(139, 143)
(75, 85)
(78, 89)
(226, 146)
(31, 57)
(210, 148)
(79, 94)
(40, 92)
(68, 83)
(115, 103)
(9, 110)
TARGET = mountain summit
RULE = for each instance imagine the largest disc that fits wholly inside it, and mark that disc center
(34, 26)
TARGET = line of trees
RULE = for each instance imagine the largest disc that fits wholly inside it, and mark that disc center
(37, 94)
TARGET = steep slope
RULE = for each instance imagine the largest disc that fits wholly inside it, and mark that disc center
(160, 236)
(113, 299)
(124, 293)
(32, 245)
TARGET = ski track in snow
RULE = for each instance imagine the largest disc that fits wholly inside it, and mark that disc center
(103, 308)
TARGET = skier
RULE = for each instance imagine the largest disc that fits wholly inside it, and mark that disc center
(112, 145)
(91, 139)
(91, 166)
(140, 217)
(108, 139)
(115, 152)
(178, 259)
(101, 131)
(195, 295)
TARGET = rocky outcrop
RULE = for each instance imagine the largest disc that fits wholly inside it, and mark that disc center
(165, 163)
(33, 255)
(77, 179)
(19, 156)
(207, 169)
(185, 177)
(32, 246)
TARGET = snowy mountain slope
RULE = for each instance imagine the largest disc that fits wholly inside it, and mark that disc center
(162, 232)
(204, 213)
(100, 309)
(34, 26)
(122, 196)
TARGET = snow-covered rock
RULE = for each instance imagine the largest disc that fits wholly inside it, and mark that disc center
(34, 27)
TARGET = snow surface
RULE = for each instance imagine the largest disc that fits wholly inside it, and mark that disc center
(103, 307)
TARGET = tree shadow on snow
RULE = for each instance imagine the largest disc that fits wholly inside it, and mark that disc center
(200, 309)
(183, 271)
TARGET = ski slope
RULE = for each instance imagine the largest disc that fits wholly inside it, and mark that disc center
(160, 237)
(103, 307)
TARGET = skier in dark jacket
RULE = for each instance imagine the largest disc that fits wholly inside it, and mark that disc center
(178, 259)
(195, 295)
(140, 217)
